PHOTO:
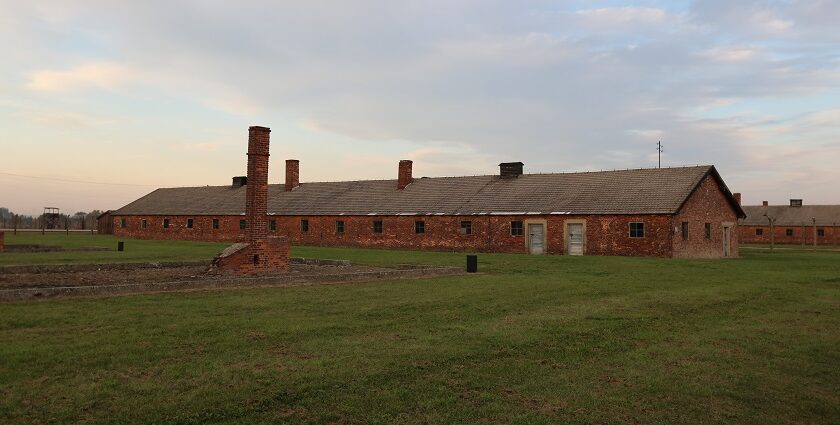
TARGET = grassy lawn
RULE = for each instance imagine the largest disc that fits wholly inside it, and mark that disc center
(532, 340)
(135, 250)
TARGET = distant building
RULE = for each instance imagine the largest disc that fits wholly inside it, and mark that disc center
(667, 212)
(795, 223)
(105, 223)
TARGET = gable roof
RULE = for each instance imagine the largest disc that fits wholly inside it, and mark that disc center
(785, 215)
(638, 191)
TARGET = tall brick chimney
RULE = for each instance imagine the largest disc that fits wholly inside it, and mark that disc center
(260, 253)
(292, 174)
(256, 192)
(404, 175)
(737, 198)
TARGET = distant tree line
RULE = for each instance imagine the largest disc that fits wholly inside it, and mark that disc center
(78, 221)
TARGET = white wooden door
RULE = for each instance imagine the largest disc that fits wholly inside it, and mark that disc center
(536, 238)
(575, 235)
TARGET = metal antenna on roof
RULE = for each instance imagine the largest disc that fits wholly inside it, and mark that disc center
(659, 149)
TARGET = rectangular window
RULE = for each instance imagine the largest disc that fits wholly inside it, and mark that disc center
(637, 230)
(419, 227)
(759, 232)
(466, 228)
(377, 226)
(144, 224)
(821, 232)
(708, 230)
(189, 223)
(339, 226)
(272, 225)
(165, 223)
(215, 223)
(122, 223)
(243, 224)
(304, 225)
(788, 232)
(685, 230)
(516, 228)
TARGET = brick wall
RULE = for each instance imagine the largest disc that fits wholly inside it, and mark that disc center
(707, 204)
(800, 235)
(605, 234)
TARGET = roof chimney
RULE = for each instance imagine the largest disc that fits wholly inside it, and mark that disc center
(404, 174)
(510, 169)
(796, 202)
(765, 203)
(239, 181)
(737, 198)
(292, 174)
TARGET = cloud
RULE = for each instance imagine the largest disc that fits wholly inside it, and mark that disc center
(106, 75)
(623, 15)
(556, 86)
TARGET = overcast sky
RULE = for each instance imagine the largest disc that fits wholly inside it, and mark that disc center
(145, 94)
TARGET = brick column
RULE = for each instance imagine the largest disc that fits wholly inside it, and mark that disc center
(2, 237)
(404, 174)
(256, 192)
(292, 174)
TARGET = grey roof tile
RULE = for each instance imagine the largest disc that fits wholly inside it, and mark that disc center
(826, 215)
(639, 191)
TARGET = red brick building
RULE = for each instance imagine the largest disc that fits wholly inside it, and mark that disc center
(794, 223)
(667, 212)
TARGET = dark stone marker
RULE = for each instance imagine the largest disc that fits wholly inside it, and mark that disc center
(120, 246)
(472, 263)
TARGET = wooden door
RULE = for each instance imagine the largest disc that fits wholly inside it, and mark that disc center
(536, 239)
(575, 238)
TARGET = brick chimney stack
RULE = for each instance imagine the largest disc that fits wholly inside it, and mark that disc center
(404, 176)
(737, 198)
(765, 203)
(260, 253)
(292, 174)
(256, 193)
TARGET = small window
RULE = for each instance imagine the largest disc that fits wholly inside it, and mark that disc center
(272, 225)
(788, 232)
(165, 223)
(123, 223)
(821, 232)
(304, 225)
(377, 226)
(708, 230)
(516, 228)
(215, 223)
(243, 224)
(339, 226)
(685, 230)
(189, 223)
(144, 224)
(759, 232)
(466, 228)
(637, 230)
(419, 227)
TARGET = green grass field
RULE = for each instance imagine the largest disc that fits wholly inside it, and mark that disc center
(531, 340)
(135, 250)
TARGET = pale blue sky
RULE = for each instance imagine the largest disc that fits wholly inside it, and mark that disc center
(150, 94)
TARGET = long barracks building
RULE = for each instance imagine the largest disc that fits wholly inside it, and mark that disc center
(667, 212)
